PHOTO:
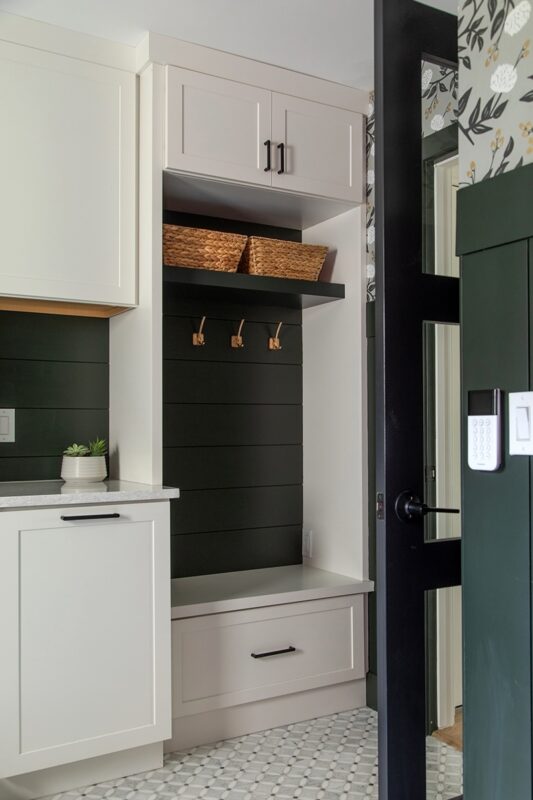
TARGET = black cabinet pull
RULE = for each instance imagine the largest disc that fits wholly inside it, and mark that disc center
(290, 649)
(281, 148)
(269, 156)
(76, 517)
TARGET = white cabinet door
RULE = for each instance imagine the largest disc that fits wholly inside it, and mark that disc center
(68, 178)
(217, 127)
(85, 623)
(323, 148)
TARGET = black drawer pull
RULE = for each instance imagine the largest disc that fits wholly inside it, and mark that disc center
(269, 156)
(281, 148)
(290, 649)
(75, 517)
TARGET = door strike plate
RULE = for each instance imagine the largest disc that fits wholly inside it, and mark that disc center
(380, 505)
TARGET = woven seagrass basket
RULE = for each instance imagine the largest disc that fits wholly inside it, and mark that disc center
(202, 249)
(281, 259)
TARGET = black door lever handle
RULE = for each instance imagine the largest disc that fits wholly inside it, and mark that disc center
(408, 507)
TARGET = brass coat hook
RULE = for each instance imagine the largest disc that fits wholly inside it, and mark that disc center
(274, 342)
(198, 339)
(236, 341)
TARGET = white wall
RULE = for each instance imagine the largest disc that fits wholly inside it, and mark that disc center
(135, 347)
(334, 407)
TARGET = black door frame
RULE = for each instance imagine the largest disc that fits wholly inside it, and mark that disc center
(406, 32)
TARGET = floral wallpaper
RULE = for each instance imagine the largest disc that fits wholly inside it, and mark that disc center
(491, 99)
(439, 109)
(439, 97)
(495, 87)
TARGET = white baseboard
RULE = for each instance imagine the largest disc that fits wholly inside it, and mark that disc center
(82, 773)
(227, 723)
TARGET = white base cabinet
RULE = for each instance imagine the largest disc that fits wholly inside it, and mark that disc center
(69, 178)
(228, 659)
(84, 619)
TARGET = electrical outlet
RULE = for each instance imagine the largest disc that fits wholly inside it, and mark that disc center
(307, 544)
(7, 424)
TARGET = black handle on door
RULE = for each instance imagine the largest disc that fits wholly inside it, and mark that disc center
(268, 144)
(408, 507)
(290, 649)
(281, 148)
(76, 517)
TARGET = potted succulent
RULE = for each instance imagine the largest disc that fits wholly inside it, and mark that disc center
(85, 463)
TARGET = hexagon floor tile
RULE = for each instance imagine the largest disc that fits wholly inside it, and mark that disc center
(330, 758)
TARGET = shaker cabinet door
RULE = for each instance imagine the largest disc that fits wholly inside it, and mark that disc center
(68, 178)
(216, 127)
(85, 621)
(323, 148)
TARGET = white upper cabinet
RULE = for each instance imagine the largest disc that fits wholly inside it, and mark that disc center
(68, 178)
(223, 129)
(322, 148)
(217, 127)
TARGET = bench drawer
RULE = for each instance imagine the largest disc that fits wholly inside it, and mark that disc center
(232, 658)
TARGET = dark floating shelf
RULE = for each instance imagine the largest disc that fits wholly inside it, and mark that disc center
(253, 288)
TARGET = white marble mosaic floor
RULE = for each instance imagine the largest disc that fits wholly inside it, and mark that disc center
(330, 758)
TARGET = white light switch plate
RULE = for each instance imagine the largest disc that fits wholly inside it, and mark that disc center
(521, 424)
(7, 425)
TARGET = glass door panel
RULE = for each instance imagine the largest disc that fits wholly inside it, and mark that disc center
(444, 740)
(442, 417)
(440, 178)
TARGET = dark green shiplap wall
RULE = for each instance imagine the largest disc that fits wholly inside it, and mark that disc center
(54, 370)
(232, 435)
(232, 429)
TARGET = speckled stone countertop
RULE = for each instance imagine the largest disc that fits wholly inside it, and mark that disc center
(36, 494)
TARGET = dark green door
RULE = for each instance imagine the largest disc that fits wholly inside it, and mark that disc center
(495, 324)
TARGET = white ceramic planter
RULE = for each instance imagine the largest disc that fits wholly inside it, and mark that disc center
(83, 469)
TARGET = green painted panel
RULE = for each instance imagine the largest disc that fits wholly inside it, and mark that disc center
(220, 510)
(52, 384)
(54, 371)
(232, 467)
(207, 553)
(232, 423)
(177, 341)
(221, 382)
(34, 468)
(496, 538)
(495, 212)
(228, 425)
(46, 431)
(51, 337)
(174, 303)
